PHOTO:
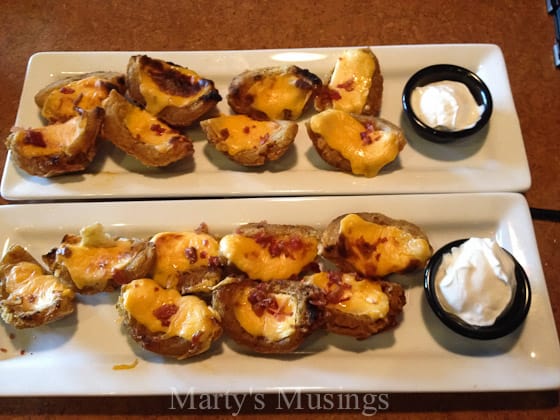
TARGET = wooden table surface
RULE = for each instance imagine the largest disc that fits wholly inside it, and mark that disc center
(522, 29)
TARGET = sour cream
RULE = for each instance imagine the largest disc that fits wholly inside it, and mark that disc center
(446, 105)
(475, 281)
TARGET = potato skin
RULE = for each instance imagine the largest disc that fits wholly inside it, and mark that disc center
(276, 145)
(74, 158)
(309, 317)
(334, 158)
(139, 266)
(332, 245)
(115, 130)
(362, 326)
(372, 106)
(241, 101)
(107, 81)
(172, 84)
(176, 347)
(62, 305)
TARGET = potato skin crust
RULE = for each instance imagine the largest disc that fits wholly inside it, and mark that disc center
(362, 326)
(61, 161)
(11, 311)
(375, 95)
(115, 130)
(176, 347)
(241, 101)
(334, 158)
(108, 80)
(275, 146)
(309, 317)
(175, 116)
(139, 266)
(332, 246)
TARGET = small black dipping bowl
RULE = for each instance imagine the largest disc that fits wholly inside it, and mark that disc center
(440, 72)
(512, 317)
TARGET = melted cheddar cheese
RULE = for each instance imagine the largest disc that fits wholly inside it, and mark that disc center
(274, 326)
(351, 79)
(257, 262)
(279, 97)
(378, 250)
(92, 261)
(166, 311)
(181, 252)
(240, 133)
(356, 297)
(150, 130)
(54, 138)
(87, 93)
(34, 290)
(367, 149)
(157, 99)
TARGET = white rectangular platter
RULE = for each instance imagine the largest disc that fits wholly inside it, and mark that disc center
(493, 160)
(76, 356)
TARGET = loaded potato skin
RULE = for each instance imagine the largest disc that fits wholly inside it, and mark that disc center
(30, 296)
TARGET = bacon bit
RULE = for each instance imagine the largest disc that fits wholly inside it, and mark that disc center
(3, 350)
(191, 254)
(370, 135)
(348, 85)
(336, 288)
(202, 228)
(224, 133)
(203, 255)
(22, 352)
(12, 336)
(34, 138)
(165, 312)
(76, 101)
(246, 129)
(120, 276)
(214, 261)
(66, 90)
(262, 301)
(158, 129)
(278, 246)
(125, 366)
(264, 139)
(31, 298)
(156, 289)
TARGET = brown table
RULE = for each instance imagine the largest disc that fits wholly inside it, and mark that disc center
(523, 30)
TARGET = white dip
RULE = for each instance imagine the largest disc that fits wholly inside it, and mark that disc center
(446, 105)
(475, 281)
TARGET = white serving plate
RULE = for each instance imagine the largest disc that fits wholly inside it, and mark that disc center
(75, 356)
(493, 160)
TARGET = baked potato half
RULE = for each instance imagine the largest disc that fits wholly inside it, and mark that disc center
(164, 322)
(173, 93)
(247, 141)
(357, 306)
(355, 84)
(188, 261)
(141, 135)
(95, 261)
(58, 100)
(374, 245)
(29, 295)
(267, 317)
(357, 144)
(273, 93)
(59, 148)
(266, 251)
